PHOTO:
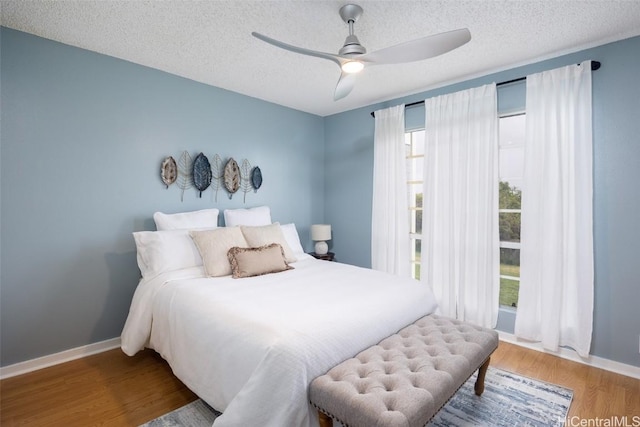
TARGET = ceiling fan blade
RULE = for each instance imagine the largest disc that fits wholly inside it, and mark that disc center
(301, 50)
(419, 49)
(345, 85)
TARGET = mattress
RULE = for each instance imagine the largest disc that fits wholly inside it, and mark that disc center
(250, 347)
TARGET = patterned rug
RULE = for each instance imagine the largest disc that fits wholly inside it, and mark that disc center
(508, 400)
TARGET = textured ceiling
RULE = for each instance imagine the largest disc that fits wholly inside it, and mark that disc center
(211, 42)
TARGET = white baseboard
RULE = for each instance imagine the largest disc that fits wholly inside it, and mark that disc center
(57, 358)
(99, 347)
(567, 353)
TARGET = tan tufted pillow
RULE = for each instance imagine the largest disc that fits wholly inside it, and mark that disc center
(213, 246)
(267, 234)
(248, 262)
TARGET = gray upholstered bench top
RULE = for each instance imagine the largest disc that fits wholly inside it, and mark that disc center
(406, 378)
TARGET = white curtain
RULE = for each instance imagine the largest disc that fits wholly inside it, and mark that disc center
(460, 240)
(555, 304)
(390, 211)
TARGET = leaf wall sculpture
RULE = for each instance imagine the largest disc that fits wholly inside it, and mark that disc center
(201, 173)
(216, 174)
(256, 178)
(231, 177)
(185, 170)
(169, 171)
(245, 178)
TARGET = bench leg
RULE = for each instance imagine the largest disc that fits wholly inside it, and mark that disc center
(479, 387)
(325, 420)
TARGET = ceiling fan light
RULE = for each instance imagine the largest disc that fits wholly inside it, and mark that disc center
(352, 67)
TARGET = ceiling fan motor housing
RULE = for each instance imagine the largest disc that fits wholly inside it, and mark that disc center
(352, 46)
(350, 13)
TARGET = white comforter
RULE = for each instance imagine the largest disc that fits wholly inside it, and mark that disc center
(250, 347)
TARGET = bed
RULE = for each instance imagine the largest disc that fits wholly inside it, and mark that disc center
(250, 347)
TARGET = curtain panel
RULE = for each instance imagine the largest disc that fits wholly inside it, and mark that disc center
(390, 207)
(460, 240)
(555, 304)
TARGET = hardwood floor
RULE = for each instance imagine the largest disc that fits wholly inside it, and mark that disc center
(107, 389)
(596, 393)
(111, 389)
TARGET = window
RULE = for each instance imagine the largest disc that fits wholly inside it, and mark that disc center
(512, 135)
(414, 144)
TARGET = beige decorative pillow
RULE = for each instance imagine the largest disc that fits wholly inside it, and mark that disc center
(213, 246)
(265, 235)
(248, 262)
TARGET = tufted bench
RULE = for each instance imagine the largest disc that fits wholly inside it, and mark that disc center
(406, 378)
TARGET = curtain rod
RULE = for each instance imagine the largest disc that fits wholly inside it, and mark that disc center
(595, 65)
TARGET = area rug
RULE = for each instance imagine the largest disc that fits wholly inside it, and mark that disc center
(508, 400)
(195, 414)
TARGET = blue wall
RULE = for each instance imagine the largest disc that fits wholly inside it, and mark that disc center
(616, 123)
(83, 136)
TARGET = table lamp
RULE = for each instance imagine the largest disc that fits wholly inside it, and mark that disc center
(320, 233)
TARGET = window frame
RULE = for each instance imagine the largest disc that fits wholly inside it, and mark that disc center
(508, 244)
(413, 209)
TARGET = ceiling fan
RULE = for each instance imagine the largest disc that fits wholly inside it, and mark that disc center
(353, 57)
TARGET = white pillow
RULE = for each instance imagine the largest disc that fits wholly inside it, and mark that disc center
(213, 246)
(260, 215)
(205, 218)
(266, 235)
(162, 251)
(293, 239)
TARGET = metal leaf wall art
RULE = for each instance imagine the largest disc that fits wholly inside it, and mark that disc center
(256, 179)
(245, 178)
(169, 171)
(201, 173)
(185, 170)
(216, 174)
(231, 177)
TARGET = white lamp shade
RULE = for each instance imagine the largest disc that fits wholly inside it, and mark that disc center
(320, 232)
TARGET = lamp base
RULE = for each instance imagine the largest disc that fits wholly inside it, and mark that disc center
(321, 248)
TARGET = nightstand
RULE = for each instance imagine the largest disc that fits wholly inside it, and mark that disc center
(326, 257)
